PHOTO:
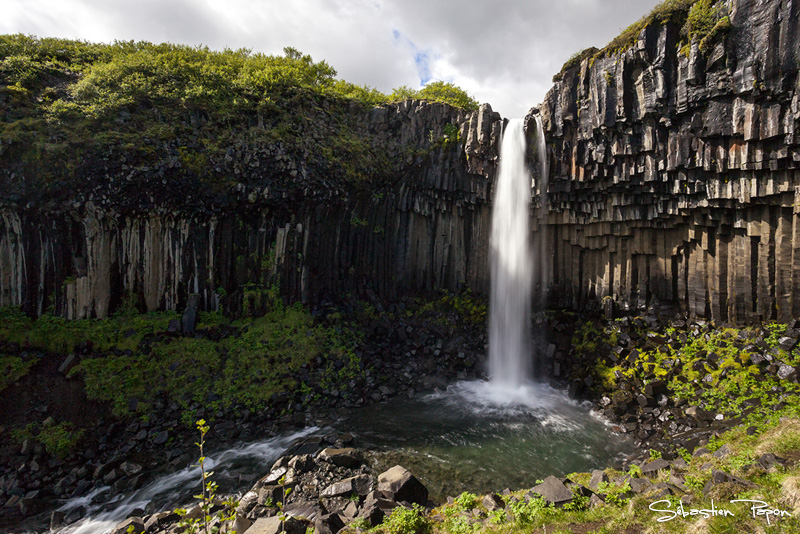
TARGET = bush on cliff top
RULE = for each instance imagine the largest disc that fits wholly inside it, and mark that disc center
(702, 20)
(167, 114)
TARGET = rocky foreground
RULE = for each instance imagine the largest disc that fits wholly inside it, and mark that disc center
(334, 490)
(678, 386)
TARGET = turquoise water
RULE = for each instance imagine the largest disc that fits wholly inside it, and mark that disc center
(479, 438)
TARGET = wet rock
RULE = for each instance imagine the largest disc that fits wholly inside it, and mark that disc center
(76, 514)
(400, 485)
(57, 519)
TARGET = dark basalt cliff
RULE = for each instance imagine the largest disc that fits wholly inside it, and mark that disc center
(422, 224)
(675, 179)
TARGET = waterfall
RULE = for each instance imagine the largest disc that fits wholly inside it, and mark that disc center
(511, 266)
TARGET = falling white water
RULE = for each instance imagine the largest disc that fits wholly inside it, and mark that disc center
(510, 363)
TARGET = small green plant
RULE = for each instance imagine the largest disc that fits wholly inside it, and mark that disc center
(466, 501)
(527, 512)
(209, 522)
(615, 493)
(285, 491)
(407, 521)
(12, 368)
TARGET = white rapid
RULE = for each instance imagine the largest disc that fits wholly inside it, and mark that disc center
(173, 489)
(510, 365)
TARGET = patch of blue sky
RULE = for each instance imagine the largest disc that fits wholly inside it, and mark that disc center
(422, 58)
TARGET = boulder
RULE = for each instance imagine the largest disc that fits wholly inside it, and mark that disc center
(274, 525)
(493, 502)
(189, 319)
(553, 491)
(652, 467)
(786, 372)
(347, 457)
(357, 485)
(699, 414)
(400, 485)
(328, 524)
(304, 509)
(373, 514)
(639, 485)
(130, 468)
(68, 363)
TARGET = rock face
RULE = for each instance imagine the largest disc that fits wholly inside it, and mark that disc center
(675, 178)
(423, 225)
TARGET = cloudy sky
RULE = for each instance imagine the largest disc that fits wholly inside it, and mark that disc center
(504, 52)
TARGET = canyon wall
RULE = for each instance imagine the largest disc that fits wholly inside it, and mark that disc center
(675, 177)
(423, 226)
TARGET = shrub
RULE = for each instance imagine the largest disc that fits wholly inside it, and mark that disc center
(438, 91)
(407, 521)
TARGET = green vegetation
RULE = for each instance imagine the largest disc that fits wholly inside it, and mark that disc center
(70, 110)
(437, 92)
(704, 21)
(450, 309)
(575, 60)
(59, 439)
(49, 333)
(243, 370)
(240, 364)
(713, 369)
(406, 521)
(12, 368)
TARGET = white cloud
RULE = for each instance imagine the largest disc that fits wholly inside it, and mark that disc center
(503, 52)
